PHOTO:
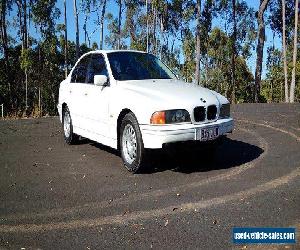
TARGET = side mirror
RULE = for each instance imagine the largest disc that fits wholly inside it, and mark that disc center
(100, 80)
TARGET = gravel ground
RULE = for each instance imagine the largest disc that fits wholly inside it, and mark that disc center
(56, 196)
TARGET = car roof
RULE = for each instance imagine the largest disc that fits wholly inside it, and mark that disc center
(110, 51)
(107, 52)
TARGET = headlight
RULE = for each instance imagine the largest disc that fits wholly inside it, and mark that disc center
(225, 110)
(170, 116)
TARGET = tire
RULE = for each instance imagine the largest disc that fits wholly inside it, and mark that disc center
(69, 136)
(131, 144)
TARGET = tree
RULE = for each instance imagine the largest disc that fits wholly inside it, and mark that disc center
(4, 8)
(66, 39)
(131, 25)
(147, 28)
(22, 13)
(119, 23)
(102, 23)
(76, 27)
(25, 47)
(286, 87)
(45, 14)
(271, 88)
(233, 52)
(292, 90)
(188, 68)
(240, 27)
(112, 39)
(219, 68)
(260, 47)
(282, 16)
(198, 49)
(24, 34)
(88, 7)
(205, 29)
(32, 66)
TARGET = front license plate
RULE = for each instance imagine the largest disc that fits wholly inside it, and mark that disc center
(206, 134)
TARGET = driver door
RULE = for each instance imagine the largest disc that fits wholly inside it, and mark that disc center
(77, 93)
(96, 101)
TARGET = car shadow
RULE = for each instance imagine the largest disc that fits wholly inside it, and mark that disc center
(231, 153)
(105, 148)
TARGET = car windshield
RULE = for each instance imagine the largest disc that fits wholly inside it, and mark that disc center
(137, 66)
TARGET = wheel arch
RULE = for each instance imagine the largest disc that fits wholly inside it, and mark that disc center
(63, 106)
(60, 109)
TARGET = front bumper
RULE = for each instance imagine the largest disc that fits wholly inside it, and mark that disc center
(154, 136)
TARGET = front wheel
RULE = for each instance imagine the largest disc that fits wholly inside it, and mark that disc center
(131, 144)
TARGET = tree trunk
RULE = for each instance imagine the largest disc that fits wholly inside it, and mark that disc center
(102, 24)
(26, 90)
(66, 39)
(233, 52)
(25, 34)
(271, 91)
(22, 12)
(286, 87)
(4, 40)
(292, 90)
(147, 21)
(77, 28)
(157, 32)
(160, 31)
(119, 23)
(85, 29)
(40, 112)
(198, 51)
(19, 14)
(206, 71)
(154, 31)
(260, 47)
(39, 80)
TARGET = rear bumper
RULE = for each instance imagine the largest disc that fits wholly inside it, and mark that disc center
(156, 136)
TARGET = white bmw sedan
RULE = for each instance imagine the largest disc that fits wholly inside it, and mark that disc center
(131, 101)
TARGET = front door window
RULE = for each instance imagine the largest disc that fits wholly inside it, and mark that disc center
(79, 73)
(96, 66)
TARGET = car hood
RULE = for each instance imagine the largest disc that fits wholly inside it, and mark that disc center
(173, 92)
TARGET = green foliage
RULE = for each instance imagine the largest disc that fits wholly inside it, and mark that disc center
(44, 14)
(112, 39)
(273, 86)
(188, 67)
(275, 17)
(218, 68)
(25, 61)
(171, 29)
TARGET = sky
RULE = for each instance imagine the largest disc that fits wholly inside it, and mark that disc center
(112, 7)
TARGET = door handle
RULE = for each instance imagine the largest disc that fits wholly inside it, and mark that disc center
(85, 94)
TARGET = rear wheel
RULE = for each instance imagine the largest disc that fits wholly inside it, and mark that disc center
(69, 136)
(131, 144)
